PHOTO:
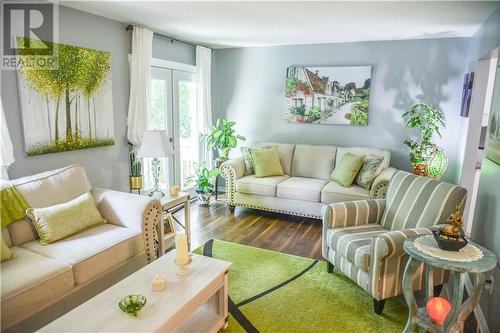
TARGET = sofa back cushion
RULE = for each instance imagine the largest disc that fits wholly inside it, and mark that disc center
(47, 189)
(313, 161)
(286, 154)
(385, 154)
(415, 201)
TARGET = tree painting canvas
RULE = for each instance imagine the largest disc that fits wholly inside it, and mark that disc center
(328, 95)
(70, 106)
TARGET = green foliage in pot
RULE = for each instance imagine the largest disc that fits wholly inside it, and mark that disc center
(223, 137)
(203, 178)
(429, 120)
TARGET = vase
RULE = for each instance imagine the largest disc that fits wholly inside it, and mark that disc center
(203, 198)
(135, 182)
(223, 154)
(433, 164)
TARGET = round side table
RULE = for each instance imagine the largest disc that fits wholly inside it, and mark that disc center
(459, 311)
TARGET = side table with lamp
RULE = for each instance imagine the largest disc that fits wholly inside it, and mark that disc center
(156, 144)
(434, 252)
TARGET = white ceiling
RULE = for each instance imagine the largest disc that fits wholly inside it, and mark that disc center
(242, 24)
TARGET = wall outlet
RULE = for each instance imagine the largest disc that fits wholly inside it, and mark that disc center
(490, 284)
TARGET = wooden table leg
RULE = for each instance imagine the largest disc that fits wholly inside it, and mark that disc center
(429, 283)
(187, 222)
(471, 302)
(409, 275)
(456, 301)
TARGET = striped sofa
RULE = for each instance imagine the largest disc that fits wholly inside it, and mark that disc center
(364, 238)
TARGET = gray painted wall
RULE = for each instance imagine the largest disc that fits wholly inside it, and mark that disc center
(105, 166)
(486, 225)
(249, 89)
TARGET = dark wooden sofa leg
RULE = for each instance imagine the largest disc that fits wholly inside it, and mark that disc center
(231, 209)
(437, 289)
(329, 267)
(378, 306)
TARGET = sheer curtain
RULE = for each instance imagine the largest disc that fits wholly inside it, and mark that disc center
(204, 98)
(140, 84)
(6, 149)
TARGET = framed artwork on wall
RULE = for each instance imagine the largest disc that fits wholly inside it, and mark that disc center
(67, 107)
(328, 95)
(466, 94)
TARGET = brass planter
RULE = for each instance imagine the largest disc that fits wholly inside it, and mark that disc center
(135, 182)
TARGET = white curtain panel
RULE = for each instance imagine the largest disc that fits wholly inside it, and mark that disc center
(140, 84)
(204, 98)
(6, 148)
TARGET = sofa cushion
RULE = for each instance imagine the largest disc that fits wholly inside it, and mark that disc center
(93, 251)
(29, 281)
(266, 162)
(286, 154)
(47, 189)
(301, 188)
(60, 221)
(353, 243)
(313, 161)
(346, 170)
(385, 154)
(260, 186)
(334, 192)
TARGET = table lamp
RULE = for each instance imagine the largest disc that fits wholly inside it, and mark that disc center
(155, 145)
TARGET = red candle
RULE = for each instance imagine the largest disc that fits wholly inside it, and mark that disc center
(438, 308)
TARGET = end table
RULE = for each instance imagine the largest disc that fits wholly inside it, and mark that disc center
(169, 204)
(459, 312)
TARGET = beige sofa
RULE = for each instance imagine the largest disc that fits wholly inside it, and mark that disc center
(305, 188)
(44, 281)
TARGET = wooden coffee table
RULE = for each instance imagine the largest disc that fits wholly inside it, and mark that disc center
(197, 302)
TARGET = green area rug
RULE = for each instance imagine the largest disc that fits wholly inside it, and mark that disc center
(275, 292)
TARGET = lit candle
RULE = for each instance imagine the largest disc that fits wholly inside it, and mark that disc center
(181, 249)
(159, 283)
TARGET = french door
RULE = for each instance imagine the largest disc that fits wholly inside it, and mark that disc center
(173, 108)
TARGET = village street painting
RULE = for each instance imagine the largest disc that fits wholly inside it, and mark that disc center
(328, 95)
(68, 107)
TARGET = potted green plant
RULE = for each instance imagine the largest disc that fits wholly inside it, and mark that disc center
(135, 172)
(223, 138)
(426, 157)
(205, 183)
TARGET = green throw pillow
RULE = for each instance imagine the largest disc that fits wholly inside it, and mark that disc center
(266, 162)
(5, 251)
(369, 170)
(247, 157)
(60, 221)
(347, 169)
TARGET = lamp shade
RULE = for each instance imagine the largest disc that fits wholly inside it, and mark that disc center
(155, 144)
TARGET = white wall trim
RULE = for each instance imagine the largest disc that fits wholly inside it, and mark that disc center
(478, 313)
(179, 66)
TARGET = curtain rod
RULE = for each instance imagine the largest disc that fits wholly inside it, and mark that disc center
(130, 27)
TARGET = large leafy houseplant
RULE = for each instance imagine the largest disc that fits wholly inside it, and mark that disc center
(424, 154)
(204, 180)
(223, 137)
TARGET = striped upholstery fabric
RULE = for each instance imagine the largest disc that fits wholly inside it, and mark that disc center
(350, 213)
(354, 243)
(364, 239)
(414, 201)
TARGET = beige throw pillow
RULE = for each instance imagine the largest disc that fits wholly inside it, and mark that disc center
(60, 221)
(369, 171)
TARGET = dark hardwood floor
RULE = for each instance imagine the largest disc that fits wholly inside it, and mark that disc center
(284, 233)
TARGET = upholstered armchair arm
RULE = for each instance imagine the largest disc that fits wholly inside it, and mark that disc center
(350, 213)
(132, 211)
(381, 182)
(388, 260)
(231, 171)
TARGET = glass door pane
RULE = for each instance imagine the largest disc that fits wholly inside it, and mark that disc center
(186, 126)
(159, 118)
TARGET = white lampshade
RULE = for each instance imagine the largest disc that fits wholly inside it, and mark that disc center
(155, 144)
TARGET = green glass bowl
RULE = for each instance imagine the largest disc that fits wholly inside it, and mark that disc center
(132, 304)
